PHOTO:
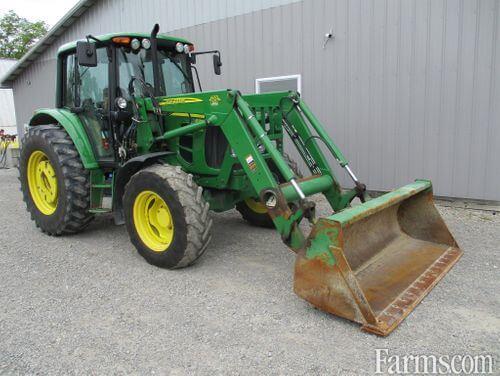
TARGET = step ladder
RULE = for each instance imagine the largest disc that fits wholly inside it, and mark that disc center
(97, 194)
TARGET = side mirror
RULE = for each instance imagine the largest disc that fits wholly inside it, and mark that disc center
(86, 54)
(217, 64)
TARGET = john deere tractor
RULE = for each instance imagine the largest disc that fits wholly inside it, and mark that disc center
(134, 135)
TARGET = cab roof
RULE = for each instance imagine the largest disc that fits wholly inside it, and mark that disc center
(107, 37)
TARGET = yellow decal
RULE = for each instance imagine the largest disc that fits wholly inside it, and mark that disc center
(185, 114)
(179, 101)
(214, 100)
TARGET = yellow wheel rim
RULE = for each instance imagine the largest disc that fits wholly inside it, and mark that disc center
(153, 221)
(256, 206)
(42, 182)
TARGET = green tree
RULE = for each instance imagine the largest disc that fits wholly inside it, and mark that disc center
(18, 35)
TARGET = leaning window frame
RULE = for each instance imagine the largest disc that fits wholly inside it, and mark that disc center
(298, 77)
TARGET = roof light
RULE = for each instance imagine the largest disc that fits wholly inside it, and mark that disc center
(179, 47)
(121, 40)
(146, 43)
(135, 44)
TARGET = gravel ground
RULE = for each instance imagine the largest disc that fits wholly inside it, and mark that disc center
(88, 303)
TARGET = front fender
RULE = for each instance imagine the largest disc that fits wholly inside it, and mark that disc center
(123, 175)
(73, 126)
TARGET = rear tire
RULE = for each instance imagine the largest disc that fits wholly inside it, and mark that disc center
(253, 211)
(68, 212)
(167, 218)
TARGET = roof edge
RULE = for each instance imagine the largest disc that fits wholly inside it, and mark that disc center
(72, 15)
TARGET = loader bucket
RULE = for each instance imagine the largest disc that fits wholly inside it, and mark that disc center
(373, 263)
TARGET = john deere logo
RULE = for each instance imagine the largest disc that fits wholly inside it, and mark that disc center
(214, 100)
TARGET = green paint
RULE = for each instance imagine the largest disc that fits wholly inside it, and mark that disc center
(357, 212)
(97, 187)
(72, 124)
(320, 247)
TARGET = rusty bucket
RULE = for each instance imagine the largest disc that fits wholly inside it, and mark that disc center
(373, 263)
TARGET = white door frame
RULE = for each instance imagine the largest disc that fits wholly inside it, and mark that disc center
(279, 78)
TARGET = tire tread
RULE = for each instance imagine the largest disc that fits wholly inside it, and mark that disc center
(76, 180)
(196, 209)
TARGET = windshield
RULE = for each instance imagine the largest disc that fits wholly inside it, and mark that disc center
(174, 69)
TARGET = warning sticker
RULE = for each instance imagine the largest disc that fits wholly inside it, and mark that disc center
(250, 162)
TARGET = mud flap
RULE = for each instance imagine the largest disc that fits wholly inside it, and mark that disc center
(373, 263)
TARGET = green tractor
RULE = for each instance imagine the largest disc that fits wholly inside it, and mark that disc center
(134, 135)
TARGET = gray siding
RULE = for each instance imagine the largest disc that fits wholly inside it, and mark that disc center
(408, 88)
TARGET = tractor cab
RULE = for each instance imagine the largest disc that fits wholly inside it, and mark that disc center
(102, 79)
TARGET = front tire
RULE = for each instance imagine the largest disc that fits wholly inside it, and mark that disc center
(55, 185)
(167, 218)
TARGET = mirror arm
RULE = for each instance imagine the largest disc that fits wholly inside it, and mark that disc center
(197, 77)
(214, 52)
(101, 43)
(206, 52)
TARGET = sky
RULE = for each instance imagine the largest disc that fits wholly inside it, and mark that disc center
(49, 11)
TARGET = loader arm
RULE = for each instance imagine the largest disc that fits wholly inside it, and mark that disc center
(241, 118)
(371, 263)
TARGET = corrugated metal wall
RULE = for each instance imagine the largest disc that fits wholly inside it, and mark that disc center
(408, 88)
(7, 115)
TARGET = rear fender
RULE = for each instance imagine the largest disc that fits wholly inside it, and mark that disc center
(73, 126)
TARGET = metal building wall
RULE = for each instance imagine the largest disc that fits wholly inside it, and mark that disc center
(408, 88)
(35, 88)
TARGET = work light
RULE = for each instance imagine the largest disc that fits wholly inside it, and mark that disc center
(179, 47)
(146, 43)
(135, 44)
(121, 103)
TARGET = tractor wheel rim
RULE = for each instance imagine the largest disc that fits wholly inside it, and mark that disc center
(153, 221)
(42, 182)
(256, 206)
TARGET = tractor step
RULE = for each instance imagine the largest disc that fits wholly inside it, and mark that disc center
(100, 210)
(103, 186)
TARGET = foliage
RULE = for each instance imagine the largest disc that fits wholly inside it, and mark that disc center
(18, 35)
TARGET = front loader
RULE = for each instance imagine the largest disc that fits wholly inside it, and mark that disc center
(130, 135)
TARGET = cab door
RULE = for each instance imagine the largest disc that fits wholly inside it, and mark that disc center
(86, 93)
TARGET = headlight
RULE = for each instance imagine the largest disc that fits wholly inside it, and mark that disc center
(186, 49)
(179, 47)
(121, 103)
(135, 44)
(146, 43)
